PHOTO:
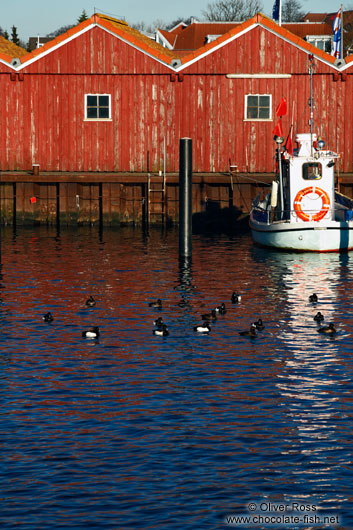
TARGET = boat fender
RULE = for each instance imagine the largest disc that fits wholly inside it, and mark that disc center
(315, 216)
(274, 194)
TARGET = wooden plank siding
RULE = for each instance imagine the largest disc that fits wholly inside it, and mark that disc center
(42, 117)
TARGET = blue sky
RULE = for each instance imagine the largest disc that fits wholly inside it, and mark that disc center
(42, 16)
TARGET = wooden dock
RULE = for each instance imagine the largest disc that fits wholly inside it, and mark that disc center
(128, 198)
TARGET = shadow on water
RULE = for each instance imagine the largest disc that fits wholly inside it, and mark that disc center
(229, 220)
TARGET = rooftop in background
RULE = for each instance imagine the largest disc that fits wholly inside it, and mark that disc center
(10, 50)
(190, 37)
(37, 42)
(328, 18)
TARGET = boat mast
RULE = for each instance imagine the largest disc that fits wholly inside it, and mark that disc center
(279, 140)
(311, 102)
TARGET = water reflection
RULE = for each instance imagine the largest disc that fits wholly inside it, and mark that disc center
(138, 431)
(312, 380)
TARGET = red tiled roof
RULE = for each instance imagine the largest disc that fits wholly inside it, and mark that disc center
(169, 36)
(315, 17)
(306, 28)
(194, 36)
(179, 28)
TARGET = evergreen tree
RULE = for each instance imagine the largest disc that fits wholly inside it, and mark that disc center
(82, 17)
(14, 36)
(6, 34)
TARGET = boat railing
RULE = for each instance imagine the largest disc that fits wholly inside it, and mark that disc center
(268, 216)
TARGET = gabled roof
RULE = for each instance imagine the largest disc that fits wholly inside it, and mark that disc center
(169, 36)
(119, 28)
(178, 28)
(268, 24)
(9, 50)
(194, 36)
(174, 60)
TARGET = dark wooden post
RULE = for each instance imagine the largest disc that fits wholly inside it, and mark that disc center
(185, 197)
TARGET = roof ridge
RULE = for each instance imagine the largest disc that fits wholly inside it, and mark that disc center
(267, 22)
(156, 50)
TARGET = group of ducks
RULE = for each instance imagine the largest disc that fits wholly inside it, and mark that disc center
(319, 317)
(91, 333)
(161, 329)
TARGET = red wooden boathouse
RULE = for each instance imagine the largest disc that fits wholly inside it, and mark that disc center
(102, 98)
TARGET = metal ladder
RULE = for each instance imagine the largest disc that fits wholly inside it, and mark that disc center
(156, 199)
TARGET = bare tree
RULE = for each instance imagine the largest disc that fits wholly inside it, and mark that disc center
(177, 21)
(58, 32)
(149, 28)
(292, 11)
(232, 9)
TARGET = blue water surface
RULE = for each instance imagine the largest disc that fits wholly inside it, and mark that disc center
(135, 431)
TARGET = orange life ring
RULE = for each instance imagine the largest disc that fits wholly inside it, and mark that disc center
(315, 216)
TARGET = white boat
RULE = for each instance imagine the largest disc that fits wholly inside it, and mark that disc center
(304, 212)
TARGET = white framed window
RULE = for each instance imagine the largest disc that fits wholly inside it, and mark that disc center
(98, 107)
(323, 42)
(211, 38)
(258, 107)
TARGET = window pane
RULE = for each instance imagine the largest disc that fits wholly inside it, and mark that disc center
(264, 113)
(252, 113)
(312, 171)
(92, 112)
(252, 101)
(91, 101)
(104, 101)
(104, 112)
(264, 101)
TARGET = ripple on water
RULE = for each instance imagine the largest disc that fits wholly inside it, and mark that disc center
(138, 431)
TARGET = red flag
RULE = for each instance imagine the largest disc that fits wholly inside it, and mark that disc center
(289, 145)
(281, 110)
(33, 199)
(277, 131)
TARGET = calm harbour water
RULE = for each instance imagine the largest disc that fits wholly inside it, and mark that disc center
(134, 431)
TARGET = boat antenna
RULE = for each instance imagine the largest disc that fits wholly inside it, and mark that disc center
(311, 101)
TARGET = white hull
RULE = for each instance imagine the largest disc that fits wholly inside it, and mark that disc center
(329, 236)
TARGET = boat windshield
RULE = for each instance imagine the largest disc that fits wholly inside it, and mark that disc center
(312, 171)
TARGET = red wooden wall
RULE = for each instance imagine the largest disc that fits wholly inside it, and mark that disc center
(42, 116)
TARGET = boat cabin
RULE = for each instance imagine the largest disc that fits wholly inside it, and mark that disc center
(308, 181)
